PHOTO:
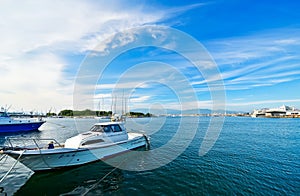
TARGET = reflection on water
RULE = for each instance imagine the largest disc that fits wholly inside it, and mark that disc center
(16, 178)
(75, 181)
(251, 156)
(59, 129)
(90, 179)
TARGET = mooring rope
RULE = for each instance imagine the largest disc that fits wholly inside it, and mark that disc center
(147, 141)
(2, 156)
(12, 166)
(106, 175)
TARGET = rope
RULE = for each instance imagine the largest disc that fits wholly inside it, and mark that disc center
(147, 142)
(2, 163)
(12, 167)
(2, 156)
(41, 155)
(106, 175)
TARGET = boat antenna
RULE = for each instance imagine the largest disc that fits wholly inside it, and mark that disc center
(125, 106)
(115, 104)
(123, 103)
(111, 105)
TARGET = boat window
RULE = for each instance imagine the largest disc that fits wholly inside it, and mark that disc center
(107, 128)
(122, 126)
(92, 142)
(116, 128)
(3, 114)
(97, 128)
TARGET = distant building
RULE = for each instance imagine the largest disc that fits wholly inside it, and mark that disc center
(283, 111)
(259, 113)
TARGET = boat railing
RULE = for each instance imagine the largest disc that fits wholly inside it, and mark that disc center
(14, 143)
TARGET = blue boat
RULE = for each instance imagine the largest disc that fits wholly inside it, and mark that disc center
(13, 125)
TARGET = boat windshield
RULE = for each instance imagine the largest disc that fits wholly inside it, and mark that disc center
(97, 128)
(3, 114)
(116, 128)
(101, 128)
(106, 128)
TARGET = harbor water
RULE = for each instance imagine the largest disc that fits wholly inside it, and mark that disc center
(252, 156)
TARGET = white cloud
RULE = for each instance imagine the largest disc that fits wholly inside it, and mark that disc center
(261, 59)
(139, 99)
(35, 83)
(265, 44)
(264, 102)
(35, 36)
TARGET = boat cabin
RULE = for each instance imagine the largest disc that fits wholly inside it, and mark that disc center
(107, 128)
(3, 115)
(99, 134)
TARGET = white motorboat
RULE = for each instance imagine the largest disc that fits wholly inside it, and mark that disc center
(102, 141)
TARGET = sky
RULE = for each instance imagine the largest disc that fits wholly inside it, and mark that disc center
(55, 54)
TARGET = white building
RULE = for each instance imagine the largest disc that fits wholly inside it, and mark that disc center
(276, 112)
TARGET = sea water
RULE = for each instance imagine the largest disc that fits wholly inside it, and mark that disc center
(251, 156)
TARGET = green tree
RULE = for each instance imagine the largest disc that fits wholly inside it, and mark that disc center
(66, 113)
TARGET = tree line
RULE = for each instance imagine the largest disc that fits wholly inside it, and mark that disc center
(88, 112)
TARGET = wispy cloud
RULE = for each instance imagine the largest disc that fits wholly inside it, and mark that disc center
(246, 63)
(265, 103)
(38, 38)
(262, 59)
(139, 99)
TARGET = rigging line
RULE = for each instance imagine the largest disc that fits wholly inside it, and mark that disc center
(12, 166)
(41, 155)
(106, 175)
(3, 156)
(2, 162)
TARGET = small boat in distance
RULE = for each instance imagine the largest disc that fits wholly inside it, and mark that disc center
(13, 125)
(102, 141)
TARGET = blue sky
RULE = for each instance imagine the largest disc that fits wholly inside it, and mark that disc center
(254, 44)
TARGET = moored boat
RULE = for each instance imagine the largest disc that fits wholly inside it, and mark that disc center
(102, 141)
(12, 125)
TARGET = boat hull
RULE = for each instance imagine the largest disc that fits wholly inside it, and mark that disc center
(20, 127)
(48, 159)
